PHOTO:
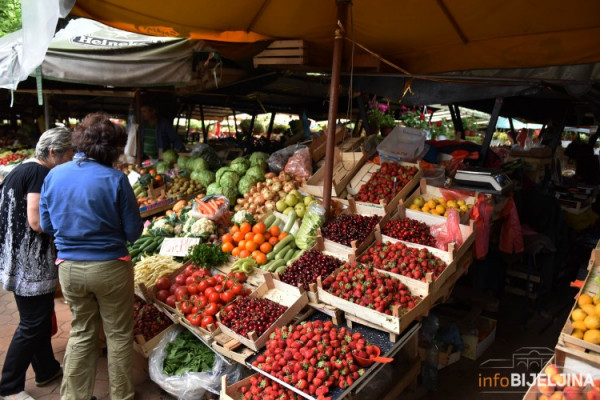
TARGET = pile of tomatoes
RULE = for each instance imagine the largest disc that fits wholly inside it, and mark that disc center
(200, 295)
(11, 158)
(255, 241)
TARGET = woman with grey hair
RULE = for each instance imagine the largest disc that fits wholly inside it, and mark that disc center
(27, 267)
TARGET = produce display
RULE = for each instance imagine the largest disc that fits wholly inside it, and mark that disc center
(251, 314)
(409, 230)
(187, 354)
(559, 384)
(198, 295)
(348, 227)
(439, 206)
(145, 246)
(182, 186)
(10, 158)
(260, 387)
(385, 183)
(148, 321)
(308, 267)
(313, 356)
(207, 255)
(149, 269)
(398, 258)
(368, 287)
(586, 319)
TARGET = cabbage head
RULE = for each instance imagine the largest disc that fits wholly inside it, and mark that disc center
(257, 172)
(257, 156)
(197, 164)
(182, 161)
(162, 167)
(170, 156)
(240, 165)
(212, 188)
(205, 177)
(230, 193)
(221, 171)
(246, 183)
(229, 179)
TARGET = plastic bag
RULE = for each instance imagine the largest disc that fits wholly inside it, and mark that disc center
(300, 163)
(212, 207)
(312, 220)
(448, 232)
(511, 234)
(455, 194)
(189, 386)
(279, 159)
(481, 213)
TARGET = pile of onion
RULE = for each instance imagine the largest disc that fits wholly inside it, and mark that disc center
(262, 197)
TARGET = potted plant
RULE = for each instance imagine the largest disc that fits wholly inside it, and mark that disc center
(386, 124)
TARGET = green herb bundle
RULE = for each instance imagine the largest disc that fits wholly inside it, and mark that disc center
(187, 354)
(207, 255)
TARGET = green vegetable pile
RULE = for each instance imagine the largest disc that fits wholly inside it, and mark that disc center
(207, 255)
(187, 354)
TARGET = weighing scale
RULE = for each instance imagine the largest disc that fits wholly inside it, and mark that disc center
(483, 180)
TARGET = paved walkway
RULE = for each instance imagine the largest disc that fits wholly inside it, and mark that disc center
(9, 318)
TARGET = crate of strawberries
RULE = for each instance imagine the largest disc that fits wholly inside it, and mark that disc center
(149, 326)
(250, 320)
(384, 185)
(373, 297)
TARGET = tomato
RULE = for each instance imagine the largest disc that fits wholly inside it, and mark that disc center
(219, 278)
(207, 320)
(186, 306)
(190, 269)
(209, 290)
(229, 307)
(202, 301)
(211, 309)
(192, 288)
(193, 298)
(240, 276)
(212, 281)
(173, 288)
(214, 297)
(237, 288)
(163, 283)
(227, 296)
(229, 283)
(181, 293)
(202, 285)
(190, 279)
(219, 288)
(180, 279)
(162, 295)
(195, 319)
(171, 301)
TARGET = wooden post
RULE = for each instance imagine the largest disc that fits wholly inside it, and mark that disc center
(338, 47)
(138, 118)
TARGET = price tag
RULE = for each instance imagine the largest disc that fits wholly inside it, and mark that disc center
(133, 177)
(177, 247)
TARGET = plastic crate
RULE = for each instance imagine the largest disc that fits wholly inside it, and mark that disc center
(403, 144)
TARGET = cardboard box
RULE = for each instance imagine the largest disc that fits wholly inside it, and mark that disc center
(474, 347)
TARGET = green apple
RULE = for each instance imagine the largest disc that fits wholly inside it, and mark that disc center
(291, 200)
(288, 210)
(308, 199)
(296, 193)
(280, 205)
(300, 209)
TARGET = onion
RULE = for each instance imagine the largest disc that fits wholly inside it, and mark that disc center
(270, 175)
(252, 209)
(276, 187)
(246, 196)
(267, 194)
(275, 179)
(253, 190)
(259, 186)
(288, 187)
(269, 205)
(282, 194)
(260, 199)
(241, 201)
(238, 208)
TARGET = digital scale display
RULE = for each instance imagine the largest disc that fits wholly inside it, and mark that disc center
(483, 179)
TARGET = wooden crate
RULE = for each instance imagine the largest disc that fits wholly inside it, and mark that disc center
(572, 345)
(393, 324)
(363, 176)
(275, 291)
(233, 392)
(318, 145)
(145, 347)
(346, 165)
(283, 52)
(432, 192)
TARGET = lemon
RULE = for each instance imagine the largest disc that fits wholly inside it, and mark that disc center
(584, 299)
(415, 207)
(435, 211)
(580, 325)
(592, 336)
(419, 201)
(425, 208)
(461, 202)
(451, 204)
(597, 309)
(578, 314)
(589, 309)
(592, 322)
(578, 333)
(431, 203)
(463, 209)
(440, 209)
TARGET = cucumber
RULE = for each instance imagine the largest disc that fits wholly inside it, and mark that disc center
(290, 222)
(288, 256)
(282, 253)
(270, 220)
(152, 246)
(271, 256)
(284, 242)
(134, 252)
(281, 269)
(276, 264)
(142, 240)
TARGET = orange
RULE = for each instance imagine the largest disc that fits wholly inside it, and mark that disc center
(251, 246)
(259, 238)
(261, 258)
(249, 236)
(267, 235)
(245, 228)
(227, 238)
(235, 229)
(244, 253)
(266, 247)
(238, 236)
(242, 244)
(274, 230)
(254, 253)
(235, 252)
(227, 247)
(282, 235)
(273, 240)
(259, 228)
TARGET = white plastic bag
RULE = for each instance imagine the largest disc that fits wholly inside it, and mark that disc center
(189, 386)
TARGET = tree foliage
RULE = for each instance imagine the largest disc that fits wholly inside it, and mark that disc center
(10, 16)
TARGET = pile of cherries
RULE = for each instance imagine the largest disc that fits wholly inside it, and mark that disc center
(348, 227)
(251, 314)
(306, 269)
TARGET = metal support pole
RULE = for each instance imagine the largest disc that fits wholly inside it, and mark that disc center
(46, 112)
(334, 89)
(512, 133)
(489, 133)
(138, 118)
(204, 131)
(271, 123)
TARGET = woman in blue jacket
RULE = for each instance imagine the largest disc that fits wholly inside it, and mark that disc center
(91, 210)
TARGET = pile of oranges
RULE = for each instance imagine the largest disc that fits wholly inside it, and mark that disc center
(255, 241)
